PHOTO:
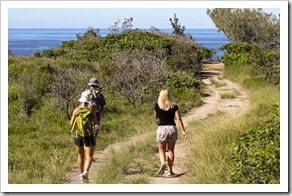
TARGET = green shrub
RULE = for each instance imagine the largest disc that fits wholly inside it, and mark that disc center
(236, 53)
(256, 157)
(182, 53)
(265, 61)
(44, 89)
(186, 90)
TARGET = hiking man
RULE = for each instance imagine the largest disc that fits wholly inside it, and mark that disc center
(99, 100)
(82, 121)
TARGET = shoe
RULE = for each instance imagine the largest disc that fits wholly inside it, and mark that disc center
(84, 176)
(161, 169)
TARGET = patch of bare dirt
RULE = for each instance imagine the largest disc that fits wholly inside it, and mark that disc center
(212, 103)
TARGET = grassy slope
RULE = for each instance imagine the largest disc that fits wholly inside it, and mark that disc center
(213, 140)
(213, 144)
(40, 147)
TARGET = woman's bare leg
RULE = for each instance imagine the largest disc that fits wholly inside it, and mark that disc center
(80, 158)
(161, 149)
(170, 158)
(89, 157)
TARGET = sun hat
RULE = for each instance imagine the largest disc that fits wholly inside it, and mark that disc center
(93, 81)
(85, 97)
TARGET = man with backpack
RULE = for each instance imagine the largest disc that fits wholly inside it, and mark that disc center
(82, 121)
(98, 99)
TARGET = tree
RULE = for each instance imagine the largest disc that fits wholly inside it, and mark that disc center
(67, 87)
(177, 28)
(115, 29)
(134, 74)
(247, 25)
(127, 24)
(91, 33)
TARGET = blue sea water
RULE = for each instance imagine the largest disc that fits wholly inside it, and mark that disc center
(24, 42)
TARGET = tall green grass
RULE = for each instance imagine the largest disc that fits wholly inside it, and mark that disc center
(213, 146)
(212, 142)
(40, 147)
(133, 164)
(40, 154)
(42, 151)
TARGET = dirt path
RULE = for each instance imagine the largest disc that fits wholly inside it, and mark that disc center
(212, 103)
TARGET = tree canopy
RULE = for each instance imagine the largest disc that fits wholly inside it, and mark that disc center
(247, 25)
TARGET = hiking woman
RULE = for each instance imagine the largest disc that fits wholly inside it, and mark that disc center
(82, 121)
(165, 110)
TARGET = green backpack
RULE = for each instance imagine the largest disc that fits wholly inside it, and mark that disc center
(83, 123)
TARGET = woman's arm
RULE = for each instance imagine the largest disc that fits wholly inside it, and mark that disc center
(181, 124)
(155, 114)
(73, 116)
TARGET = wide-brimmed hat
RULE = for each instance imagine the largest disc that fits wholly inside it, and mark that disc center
(93, 81)
(85, 97)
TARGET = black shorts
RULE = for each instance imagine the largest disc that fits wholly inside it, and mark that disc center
(80, 141)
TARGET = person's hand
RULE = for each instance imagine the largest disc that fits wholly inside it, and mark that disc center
(96, 129)
(184, 135)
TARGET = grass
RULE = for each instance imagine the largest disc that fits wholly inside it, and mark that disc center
(217, 83)
(230, 95)
(216, 113)
(213, 144)
(46, 159)
(211, 148)
(131, 165)
(212, 139)
(41, 149)
(38, 154)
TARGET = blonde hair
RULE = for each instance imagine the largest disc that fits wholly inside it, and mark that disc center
(165, 100)
(85, 105)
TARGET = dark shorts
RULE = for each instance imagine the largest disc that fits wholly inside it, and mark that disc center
(87, 141)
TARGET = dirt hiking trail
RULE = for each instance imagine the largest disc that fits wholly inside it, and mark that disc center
(212, 74)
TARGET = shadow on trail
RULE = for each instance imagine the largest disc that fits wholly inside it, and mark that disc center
(173, 176)
(141, 171)
(208, 74)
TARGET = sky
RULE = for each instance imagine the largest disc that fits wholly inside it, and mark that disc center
(68, 17)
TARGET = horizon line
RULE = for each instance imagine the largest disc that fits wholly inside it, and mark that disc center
(93, 28)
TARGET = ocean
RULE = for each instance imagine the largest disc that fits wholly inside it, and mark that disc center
(24, 42)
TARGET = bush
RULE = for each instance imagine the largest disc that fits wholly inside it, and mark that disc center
(186, 90)
(256, 157)
(44, 89)
(265, 61)
(236, 53)
(182, 53)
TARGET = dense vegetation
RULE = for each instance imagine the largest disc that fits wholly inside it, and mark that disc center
(132, 67)
(255, 37)
(254, 57)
